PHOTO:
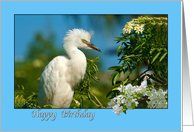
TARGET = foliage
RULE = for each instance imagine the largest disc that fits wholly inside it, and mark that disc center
(83, 89)
(143, 44)
(29, 102)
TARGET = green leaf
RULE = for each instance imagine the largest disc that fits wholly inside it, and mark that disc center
(139, 46)
(163, 56)
(134, 55)
(96, 59)
(115, 78)
(121, 51)
(109, 93)
(23, 87)
(81, 102)
(140, 60)
(126, 45)
(156, 57)
(118, 39)
(119, 47)
(113, 74)
(114, 67)
(115, 89)
(152, 50)
(129, 67)
(95, 78)
(125, 81)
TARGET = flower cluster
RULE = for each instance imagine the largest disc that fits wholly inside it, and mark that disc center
(157, 99)
(127, 100)
(138, 24)
(129, 95)
(132, 26)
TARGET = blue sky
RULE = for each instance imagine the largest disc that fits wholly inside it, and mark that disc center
(26, 26)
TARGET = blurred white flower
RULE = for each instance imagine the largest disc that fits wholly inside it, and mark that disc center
(144, 83)
(132, 26)
(123, 101)
(37, 63)
(157, 99)
(117, 109)
(129, 95)
(129, 86)
(111, 103)
(136, 103)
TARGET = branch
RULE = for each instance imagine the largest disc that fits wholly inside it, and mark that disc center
(96, 99)
(139, 76)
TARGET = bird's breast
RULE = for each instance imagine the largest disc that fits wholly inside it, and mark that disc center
(77, 70)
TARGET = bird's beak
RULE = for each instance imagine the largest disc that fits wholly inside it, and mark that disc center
(89, 44)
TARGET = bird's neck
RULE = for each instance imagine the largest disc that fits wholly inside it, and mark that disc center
(73, 52)
(76, 56)
(77, 64)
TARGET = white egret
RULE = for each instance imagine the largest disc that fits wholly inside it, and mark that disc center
(56, 85)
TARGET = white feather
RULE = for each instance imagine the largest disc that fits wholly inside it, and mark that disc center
(57, 82)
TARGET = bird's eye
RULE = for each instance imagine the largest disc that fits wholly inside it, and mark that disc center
(83, 40)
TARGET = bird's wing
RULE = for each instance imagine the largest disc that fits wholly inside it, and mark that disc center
(50, 78)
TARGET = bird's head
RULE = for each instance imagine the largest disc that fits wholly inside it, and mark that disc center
(80, 39)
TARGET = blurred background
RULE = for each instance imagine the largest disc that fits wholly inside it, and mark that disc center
(38, 39)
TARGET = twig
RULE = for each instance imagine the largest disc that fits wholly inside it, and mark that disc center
(94, 102)
(139, 76)
(96, 99)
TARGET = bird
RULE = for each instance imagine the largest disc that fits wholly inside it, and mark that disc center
(64, 72)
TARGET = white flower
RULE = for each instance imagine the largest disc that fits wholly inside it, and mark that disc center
(129, 86)
(144, 83)
(165, 92)
(118, 99)
(129, 95)
(129, 101)
(157, 99)
(133, 100)
(153, 90)
(111, 103)
(128, 106)
(117, 109)
(136, 103)
(123, 101)
(138, 90)
(129, 89)
(132, 26)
